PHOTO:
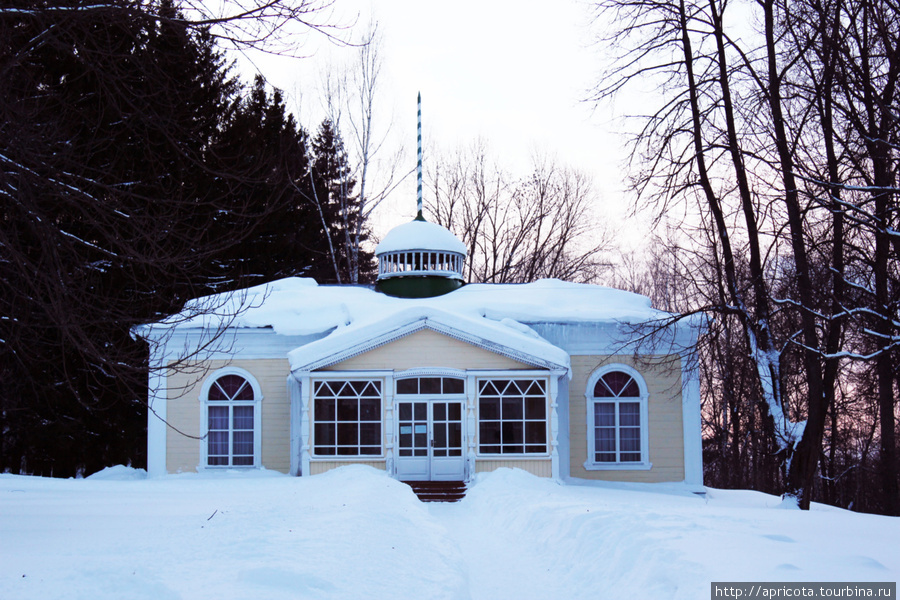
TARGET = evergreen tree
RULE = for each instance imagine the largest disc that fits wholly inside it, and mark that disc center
(133, 176)
(334, 196)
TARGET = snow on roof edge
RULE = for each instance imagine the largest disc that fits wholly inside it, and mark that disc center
(345, 343)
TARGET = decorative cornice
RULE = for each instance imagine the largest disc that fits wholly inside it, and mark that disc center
(418, 325)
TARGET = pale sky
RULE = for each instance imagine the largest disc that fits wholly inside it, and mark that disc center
(512, 72)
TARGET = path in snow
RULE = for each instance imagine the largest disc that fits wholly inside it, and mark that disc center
(498, 563)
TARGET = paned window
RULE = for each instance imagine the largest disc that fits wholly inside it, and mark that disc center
(512, 416)
(347, 418)
(431, 385)
(617, 416)
(230, 419)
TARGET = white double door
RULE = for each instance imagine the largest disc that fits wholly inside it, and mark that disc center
(430, 446)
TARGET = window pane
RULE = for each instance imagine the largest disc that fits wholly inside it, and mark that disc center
(216, 393)
(440, 411)
(348, 409)
(370, 434)
(408, 386)
(535, 408)
(370, 409)
(604, 414)
(489, 409)
(489, 433)
(452, 385)
(617, 381)
(440, 435)
(243, 417)
(324, 434)
(513, 432)
(500, 385)
(406, 411)
(243, 461)
(629, 414)
(217, 444)
(455, 437)
(512, 409)
(218, 418)
(535, 433)
(348, 434)
(605, 457)
(631, 390)
(232, 385)
(601, 390)
(486, 388)
(372, 390)
(243, 444)
(324, 409)
(420, 410)
(455, 411)
(430, 385)
(630, 439)
(605, 440)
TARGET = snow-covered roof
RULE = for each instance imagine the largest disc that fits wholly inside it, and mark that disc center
(345, 315)
(420, 235)
(300, 306)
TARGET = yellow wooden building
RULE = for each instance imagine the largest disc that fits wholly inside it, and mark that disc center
(427, 382)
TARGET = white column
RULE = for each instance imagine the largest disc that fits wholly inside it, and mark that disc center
(554, 426)
(388, 422)
(691, 426)
(295, 394)
(471, 424)
(306, 396)
(157, 399)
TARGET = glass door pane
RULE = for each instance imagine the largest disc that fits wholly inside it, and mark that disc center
(413, 423)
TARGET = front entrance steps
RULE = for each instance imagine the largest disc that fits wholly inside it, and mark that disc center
(438, 491)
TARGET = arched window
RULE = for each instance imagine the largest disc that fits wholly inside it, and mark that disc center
(617, 419)
(231, 419)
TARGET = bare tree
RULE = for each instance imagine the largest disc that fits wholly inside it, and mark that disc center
(539, 226)
(752, 132)
(351, 95)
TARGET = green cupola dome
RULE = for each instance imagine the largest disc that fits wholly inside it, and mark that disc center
(419, 260)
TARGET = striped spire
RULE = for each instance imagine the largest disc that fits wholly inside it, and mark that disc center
(419, 216)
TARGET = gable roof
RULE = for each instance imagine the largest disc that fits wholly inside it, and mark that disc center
(507, 338)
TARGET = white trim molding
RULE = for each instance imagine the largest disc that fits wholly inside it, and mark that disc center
(643, 398)
(205, 404)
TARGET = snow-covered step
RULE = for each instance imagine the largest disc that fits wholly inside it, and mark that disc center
(438, 491)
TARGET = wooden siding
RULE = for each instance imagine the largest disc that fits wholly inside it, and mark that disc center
(427, 348)
(183, 453)
(664, 411)
(539, 467)
(317, 467)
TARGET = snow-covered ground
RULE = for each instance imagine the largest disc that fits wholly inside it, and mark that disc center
(356, 534)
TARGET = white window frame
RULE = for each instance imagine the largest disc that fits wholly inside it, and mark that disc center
(590, 464)
(205, 404)
(344, 377)
(547, 417)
